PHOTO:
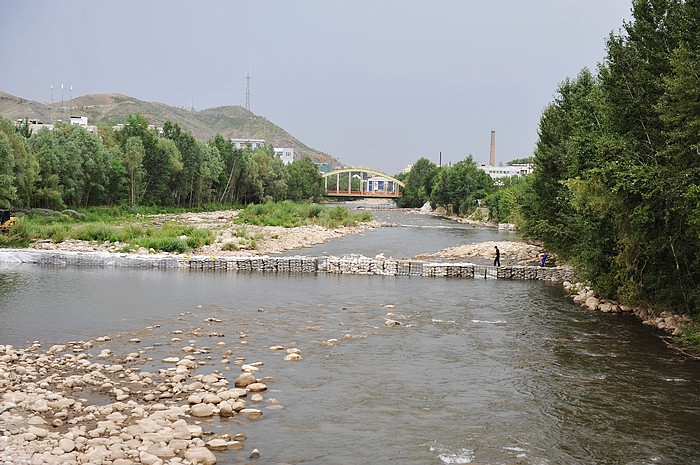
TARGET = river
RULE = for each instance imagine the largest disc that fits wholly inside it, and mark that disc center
(479, 371)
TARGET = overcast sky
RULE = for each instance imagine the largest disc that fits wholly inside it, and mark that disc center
(375, 83)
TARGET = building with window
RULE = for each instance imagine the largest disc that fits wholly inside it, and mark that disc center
(248, 143)
(286, 154)
(507, 171)
(79, 121)
(378, 184)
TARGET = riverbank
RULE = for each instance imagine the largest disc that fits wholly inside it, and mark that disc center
(108, 401)
(230, 239)
(673, 325)
(236, 240)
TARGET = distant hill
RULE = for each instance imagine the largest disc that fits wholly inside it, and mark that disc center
(112, 109)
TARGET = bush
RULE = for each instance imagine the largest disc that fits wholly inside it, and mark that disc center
(17, 236)
(99, 232)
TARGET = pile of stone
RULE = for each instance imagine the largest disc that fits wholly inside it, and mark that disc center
(66, 406)
(512, 252)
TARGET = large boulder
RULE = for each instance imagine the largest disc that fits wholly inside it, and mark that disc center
(200, 456)
(592, 303)
(245, 379)
(202, 410)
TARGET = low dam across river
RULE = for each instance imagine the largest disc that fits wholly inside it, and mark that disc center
(347, 264)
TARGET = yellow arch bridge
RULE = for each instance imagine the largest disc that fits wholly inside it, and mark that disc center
(361, 182)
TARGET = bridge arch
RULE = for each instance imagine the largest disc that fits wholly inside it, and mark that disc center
(369, 183)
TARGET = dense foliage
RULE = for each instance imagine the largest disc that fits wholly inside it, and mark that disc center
(71, 167)
(617, 163)
(456, 188)
(290, 214)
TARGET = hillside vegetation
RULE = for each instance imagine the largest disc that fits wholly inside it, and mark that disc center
(111, 109)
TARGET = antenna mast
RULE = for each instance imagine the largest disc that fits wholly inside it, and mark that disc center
(247, 90)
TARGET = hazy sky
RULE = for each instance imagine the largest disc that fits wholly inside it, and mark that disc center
(375, 83)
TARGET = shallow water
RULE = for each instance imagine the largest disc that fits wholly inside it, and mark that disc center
(410, 234)
(479, 371)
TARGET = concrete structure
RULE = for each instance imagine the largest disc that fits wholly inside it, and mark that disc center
(509, 171)
(285, 154)
(492, 152)
(248, 143)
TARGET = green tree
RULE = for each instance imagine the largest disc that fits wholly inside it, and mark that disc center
(133, 163)
(8, 192)
(304, 182)
(418, 184)
(272, 175)
(49, 153)
(118, 179)
(25, 169)
(210, 168)
(456, 188)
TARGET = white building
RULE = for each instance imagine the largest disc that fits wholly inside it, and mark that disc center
(286, 154)
(79, 121)
(248, 143)
(379, 184)
(507, 171)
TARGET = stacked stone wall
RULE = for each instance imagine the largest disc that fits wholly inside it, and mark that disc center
(348, 264)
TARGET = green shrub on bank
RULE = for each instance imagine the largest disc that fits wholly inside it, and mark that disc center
(100, 232)
(17, 236)
(108, 224)
(691, 338)
(289, 215)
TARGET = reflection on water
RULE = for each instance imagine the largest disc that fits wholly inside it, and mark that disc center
(478, 371)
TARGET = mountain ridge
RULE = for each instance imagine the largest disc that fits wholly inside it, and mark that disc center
(231, 121)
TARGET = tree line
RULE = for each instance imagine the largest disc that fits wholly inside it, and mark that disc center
(71, 167)
(615, 188)
(615, 185)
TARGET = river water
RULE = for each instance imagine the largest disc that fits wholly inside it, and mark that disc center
(479, 371)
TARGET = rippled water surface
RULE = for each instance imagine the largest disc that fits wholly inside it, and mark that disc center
(479, 371)
(408, 235)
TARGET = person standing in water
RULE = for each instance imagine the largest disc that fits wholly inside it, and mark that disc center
(497, 260)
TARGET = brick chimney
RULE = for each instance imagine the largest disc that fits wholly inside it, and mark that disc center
(492, 158)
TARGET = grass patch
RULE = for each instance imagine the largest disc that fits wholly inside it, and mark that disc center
(106, 224)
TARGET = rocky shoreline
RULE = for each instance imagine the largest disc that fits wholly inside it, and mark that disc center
(83, 402)
(669, 323)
